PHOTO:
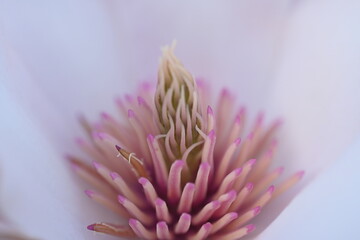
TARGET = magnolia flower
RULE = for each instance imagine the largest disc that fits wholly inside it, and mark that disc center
(182, 175)
(297, 60)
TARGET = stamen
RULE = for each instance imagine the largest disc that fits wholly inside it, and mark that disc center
(223, 165)
(140, 132)
(186, 200)
(226, 200)
(90, 175)
(288, 183)
(109, 203)
(265, 198)
(208, 148)
(244, 218)
(265, 182)
(201, 182)
(263, 164)
(136, 163)
(228, 182)
(162, 231)
(238, 125)
(245, 172)
(135, 211)
(160, 169)
(237, 234)
(90, 150)
(162, 211)
(210, 119)
(240, 198)
(206, 212)
(224, 107)
(183, 225)
(203, 233)
(245, 150)
(140, 230)
(223, 221)
(149, 190)
(127, 191)
(119, 231)
(174, 181)
(104, 172)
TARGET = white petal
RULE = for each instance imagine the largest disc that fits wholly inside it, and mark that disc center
(39, 193)
(328, 208)
(317, 84)
(69, 51)
(316, 91)
(232, 44)
(80, 57)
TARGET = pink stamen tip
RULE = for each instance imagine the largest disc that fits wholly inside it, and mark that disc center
(74, 166)
(210, 111)
(274, 143)
(270, 153)
(114, 175)
(89, 193)
(280, 170)
(242, 110)
(96, 135)
(207, 226)
(237, 141)
(159, 202)
(200, 82)
(260, 118)
(225, 92)
(121, 199)
(257, 210)
(211, 134)
(91, 227)
(96, 165)
(141, 101)
(186, 216)
(151, 138)
(216, 203)
(300, 174)
(251, 162)
(146, 85)
(179, 163)
(249, 186)
(250, 228)
(238, 119)
(118, 101)
(191, 186)
(162, 224)
(128, 98)
(279, 122)
(105, 116)
(131, 113)
(80, 141)
(232, 194)
(117, 147)
(204, 165)
(233, 215)
(271, 189)
(238, 171)
(143, 181)
(102, 135)
(132, 221)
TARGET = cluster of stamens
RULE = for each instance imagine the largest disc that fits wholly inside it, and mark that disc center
(176, 168)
